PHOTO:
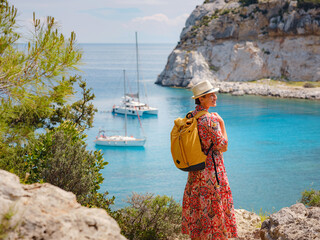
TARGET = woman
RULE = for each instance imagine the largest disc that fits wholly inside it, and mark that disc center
(207, 209)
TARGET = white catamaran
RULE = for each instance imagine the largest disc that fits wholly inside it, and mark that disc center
(131, 106)
(120, 141)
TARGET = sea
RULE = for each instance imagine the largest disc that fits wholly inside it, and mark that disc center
(274, 144)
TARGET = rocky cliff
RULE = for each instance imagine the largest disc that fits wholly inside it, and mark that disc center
(292, 223)
(43, 211)
(229, 41)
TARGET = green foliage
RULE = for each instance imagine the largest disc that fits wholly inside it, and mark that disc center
(214, 68)
(284, 9)
(35, 83)
(5, 224)
(60, 157)
(205, 20)
(37, 95)
(266, 51)
(243, 15)
(309, 85)
(150, 217)
(311, 198)
(263, 216)
(225, 11)
(308, 4)
(248, 2)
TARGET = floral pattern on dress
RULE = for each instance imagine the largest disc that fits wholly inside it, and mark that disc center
(207, 209)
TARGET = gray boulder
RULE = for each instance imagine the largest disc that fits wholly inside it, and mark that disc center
(292, 223)
(43, 211)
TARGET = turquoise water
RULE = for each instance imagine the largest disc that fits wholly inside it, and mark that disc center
(274, 144)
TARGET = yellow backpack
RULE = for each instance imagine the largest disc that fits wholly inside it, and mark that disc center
(185, 143)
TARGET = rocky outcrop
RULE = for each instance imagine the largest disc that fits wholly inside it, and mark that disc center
(295, 222)
(43, 211)
(224, 41)
(248, 224)
(266, 87)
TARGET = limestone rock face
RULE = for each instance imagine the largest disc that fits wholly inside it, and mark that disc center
(43, 211)
(295, 222)
(230, 42)
(186, 66)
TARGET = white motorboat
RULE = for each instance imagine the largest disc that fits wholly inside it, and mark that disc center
(131, 106)
(120, 141)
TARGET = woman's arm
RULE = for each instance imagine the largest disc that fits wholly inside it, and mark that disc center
(223, 148)
(222, 126)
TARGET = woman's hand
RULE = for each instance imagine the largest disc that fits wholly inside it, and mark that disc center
(223, 149)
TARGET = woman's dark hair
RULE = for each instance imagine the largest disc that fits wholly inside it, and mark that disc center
(197, 101)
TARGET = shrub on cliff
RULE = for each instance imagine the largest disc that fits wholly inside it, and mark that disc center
(60, 157)
(308, 4)
(150, 217)
(248, 2)
(37, 94)
(309, 85)
(311, 198)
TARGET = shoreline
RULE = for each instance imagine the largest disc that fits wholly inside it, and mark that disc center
(269, 88)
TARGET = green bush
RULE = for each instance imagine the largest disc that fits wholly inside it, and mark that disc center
(308, 4)
(309, 85)
(150, 217)
(60, 157)
(248, 2)
(311, 198)
(225, 11)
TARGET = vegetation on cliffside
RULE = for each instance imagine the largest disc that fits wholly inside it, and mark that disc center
(308, 4)
(311, 198)
(150, 217)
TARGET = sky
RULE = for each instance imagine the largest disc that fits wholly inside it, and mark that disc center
(111, 21)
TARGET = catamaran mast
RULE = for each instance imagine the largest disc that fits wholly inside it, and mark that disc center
(137, 57)
(125, 102)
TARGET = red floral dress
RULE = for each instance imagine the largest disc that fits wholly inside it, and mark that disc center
(207, 209)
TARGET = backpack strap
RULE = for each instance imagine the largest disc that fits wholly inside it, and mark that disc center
(214, 163)
(189, 115)
(198, 115)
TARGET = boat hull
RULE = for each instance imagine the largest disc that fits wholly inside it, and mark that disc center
(134, 112)
(152, 112)
(131, 112)
(121, 143)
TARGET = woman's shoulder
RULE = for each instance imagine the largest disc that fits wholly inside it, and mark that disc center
(209, 119)
(210, 116)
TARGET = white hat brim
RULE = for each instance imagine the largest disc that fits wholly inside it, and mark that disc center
(205, 93)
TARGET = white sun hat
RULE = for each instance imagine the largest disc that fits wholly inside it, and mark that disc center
(203, 88)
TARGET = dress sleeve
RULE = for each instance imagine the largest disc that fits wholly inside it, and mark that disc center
(215, 133)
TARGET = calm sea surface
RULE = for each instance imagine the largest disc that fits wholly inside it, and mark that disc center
(274, 144)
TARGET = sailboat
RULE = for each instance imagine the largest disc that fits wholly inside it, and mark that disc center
(120, 141)
(131, 106)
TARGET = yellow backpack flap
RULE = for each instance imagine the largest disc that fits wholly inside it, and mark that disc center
(185, 144)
